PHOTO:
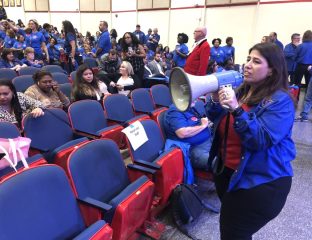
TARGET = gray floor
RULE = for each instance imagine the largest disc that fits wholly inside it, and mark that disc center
(295, 220)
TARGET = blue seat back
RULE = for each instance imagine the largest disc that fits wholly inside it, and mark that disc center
(98, 170)
(91, 62)
(151, 149)
(73, 75)
(28, 71)
(38, 203)
(7, 73)
(21, 83)
(160, 121)
(8, 130)
(53, 69)
(142, 101)
(118, 107)
(48, 131)
(161, 95)
(66, 88)
(60, 77)
(87, 116)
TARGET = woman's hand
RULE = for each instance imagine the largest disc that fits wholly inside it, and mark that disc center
(112, 84)
(228, 99)
(119, 87)
(37, 112)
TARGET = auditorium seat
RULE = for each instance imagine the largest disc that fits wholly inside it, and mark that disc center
(87, 118)
(23, 82)
(168, 164)
(99, 178)
(142, 102)
(52, 135)
(38, 203)
(161, 95)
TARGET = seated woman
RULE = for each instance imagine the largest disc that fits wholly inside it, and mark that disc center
(47, 91)
(124, 81)
(8, 60)
(14, 105)
(87, 86)
(54, 51)
(30, 60)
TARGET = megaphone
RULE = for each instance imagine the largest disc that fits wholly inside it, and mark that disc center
(185, 88)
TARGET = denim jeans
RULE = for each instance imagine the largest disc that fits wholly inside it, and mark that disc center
(307, 104)
(200, 154)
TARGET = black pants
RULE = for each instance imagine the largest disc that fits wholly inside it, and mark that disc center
(245, 211)
(301, 70)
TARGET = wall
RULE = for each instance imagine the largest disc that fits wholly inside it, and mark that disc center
(245, 23)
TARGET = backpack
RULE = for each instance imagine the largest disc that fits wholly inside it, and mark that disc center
(187, 206)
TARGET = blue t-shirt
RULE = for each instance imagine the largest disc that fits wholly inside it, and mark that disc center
(104, 43)
(19, 45)
(229, 52)
(54, 52)
(68, 38)
(175, 119)
(177, 59)
(217, 54)
(9, 42)
(35, 41)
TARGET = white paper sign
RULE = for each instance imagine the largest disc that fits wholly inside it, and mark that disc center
(136, 134)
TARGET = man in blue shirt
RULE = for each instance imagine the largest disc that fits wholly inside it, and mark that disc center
(193, 128)
(139, 34)
(290, 54)
(104, 43)
(273, 36)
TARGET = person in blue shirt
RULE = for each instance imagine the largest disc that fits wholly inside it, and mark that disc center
(229, 50)
(181, 51)
(20, 44)
(35, 39)
(252, 149)
(307, 104)
(70, 46)
(54, 51)
(46, 29)
(273, 37)
(10, 39)
(8, 60)
(216, 52)
(193, 128)
(290, 54)
(139, 34)
(104, 43)
(303, 59)
(152, 39)
(30, 60)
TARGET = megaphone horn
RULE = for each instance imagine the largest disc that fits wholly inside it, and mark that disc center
(185, 88)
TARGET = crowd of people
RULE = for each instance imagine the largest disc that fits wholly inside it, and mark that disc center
(249, 142)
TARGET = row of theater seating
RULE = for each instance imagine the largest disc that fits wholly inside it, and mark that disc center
(52, 135)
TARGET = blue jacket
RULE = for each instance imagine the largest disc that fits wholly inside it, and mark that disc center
(141, 36)
(177, 59)
(188, 174)
(279, 44)
(304, 53)
(265, 133)
(290, 54)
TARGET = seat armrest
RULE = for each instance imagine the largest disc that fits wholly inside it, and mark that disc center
(141, 168)
(147, 164)
(40, 149)
(95, 203)
(99, 228)
(86, 134)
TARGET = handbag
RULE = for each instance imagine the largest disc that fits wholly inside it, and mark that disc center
(15, 150)
(218, 161)
(187, 206)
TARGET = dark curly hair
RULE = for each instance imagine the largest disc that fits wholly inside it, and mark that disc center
(184, 37)
(216, 39)
(124, 45)
(15, 104)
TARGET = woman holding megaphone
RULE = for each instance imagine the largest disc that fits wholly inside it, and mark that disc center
(252, 150)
